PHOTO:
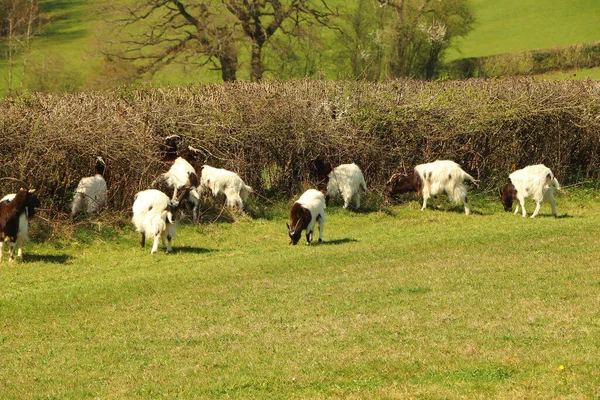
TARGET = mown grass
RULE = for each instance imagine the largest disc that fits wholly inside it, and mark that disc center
(514, 26)
(396, 303)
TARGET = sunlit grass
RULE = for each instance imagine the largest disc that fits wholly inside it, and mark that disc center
(515, 26)
(395, 303)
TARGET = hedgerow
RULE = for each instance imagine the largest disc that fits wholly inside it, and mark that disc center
(270, 132)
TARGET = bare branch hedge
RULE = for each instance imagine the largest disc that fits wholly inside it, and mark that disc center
(269, 132)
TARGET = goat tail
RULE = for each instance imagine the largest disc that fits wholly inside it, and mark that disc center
(157, 223)
(470, 178)
(363, 184)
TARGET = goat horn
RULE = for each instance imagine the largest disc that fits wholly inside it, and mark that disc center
(23, 184)
(185, 191)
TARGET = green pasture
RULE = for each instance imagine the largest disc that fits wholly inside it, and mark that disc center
(67, 54)
(591, 73)
(515, 25)
(396, 303)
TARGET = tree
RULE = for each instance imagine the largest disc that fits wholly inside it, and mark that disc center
(155, 33)
(19, 23)
(422, 31)
(159, 32)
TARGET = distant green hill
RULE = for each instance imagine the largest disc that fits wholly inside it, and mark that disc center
(509, 26)
(66, 55)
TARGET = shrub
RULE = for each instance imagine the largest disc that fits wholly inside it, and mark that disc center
(269, 132)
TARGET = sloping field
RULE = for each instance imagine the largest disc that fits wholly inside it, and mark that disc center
(515, 25)
(67, 54)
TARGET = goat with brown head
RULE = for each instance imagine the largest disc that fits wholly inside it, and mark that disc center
(508, 195)
(15, 212)
(404, 183)
(432, 179)
(305, 213)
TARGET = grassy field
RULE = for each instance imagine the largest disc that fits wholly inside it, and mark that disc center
(592, 73)
(515, 25)
(396, 303)
(67, 54)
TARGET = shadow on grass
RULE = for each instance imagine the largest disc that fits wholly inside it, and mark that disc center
(47, 258)
(564, 216)
(338, 241)
(192, 250)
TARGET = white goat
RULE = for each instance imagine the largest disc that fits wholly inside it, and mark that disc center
(432, 179)
(90, 194)
(347, 180)
(181, 174)
(306, 211)
(534, 181)
(229, 183)
(154, 214)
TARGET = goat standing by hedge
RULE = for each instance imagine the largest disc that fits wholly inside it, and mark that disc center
(534, 181)
(91, 192)
(432, 179)
(15, 212)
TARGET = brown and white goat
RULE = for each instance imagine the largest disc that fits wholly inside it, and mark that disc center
(432, 179)
(155, 215)
(346, 180)
(15, 212)
(305, 213)
(534, 181)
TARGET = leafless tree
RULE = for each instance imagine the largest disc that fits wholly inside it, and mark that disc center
(155, 33)
(19, 22)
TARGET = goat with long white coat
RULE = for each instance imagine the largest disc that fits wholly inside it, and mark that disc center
(181, 174)
(91, 192)
(16, 210)
(305, 213)
(154, 214)
(229, 183)
(536, 182)
(347, 180)
(431, 179)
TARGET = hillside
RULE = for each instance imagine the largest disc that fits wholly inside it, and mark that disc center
(516, 25)
(66, 56)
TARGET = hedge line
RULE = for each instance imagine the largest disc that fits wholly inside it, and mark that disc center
(269, 132)
(586, 55)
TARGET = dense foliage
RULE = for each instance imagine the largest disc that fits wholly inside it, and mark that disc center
(270, 132)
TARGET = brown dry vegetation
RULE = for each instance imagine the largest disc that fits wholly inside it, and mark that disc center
(268, 132)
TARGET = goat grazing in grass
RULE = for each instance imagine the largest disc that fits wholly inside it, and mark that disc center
(345, 179)
(432, 179)
(229, 183)
(90, 194)
(536, 182)
(15, 212)
(155, 215)
(180, 175)
(306, 211)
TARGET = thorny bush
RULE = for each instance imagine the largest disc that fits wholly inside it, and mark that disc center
(270, 132)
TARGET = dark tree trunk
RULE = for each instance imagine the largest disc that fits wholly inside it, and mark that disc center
(256, 65)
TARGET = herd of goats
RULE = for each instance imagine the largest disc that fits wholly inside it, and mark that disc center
(155, 210)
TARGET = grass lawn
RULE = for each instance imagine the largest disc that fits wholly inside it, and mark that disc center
(517, 25)
(396, 303)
